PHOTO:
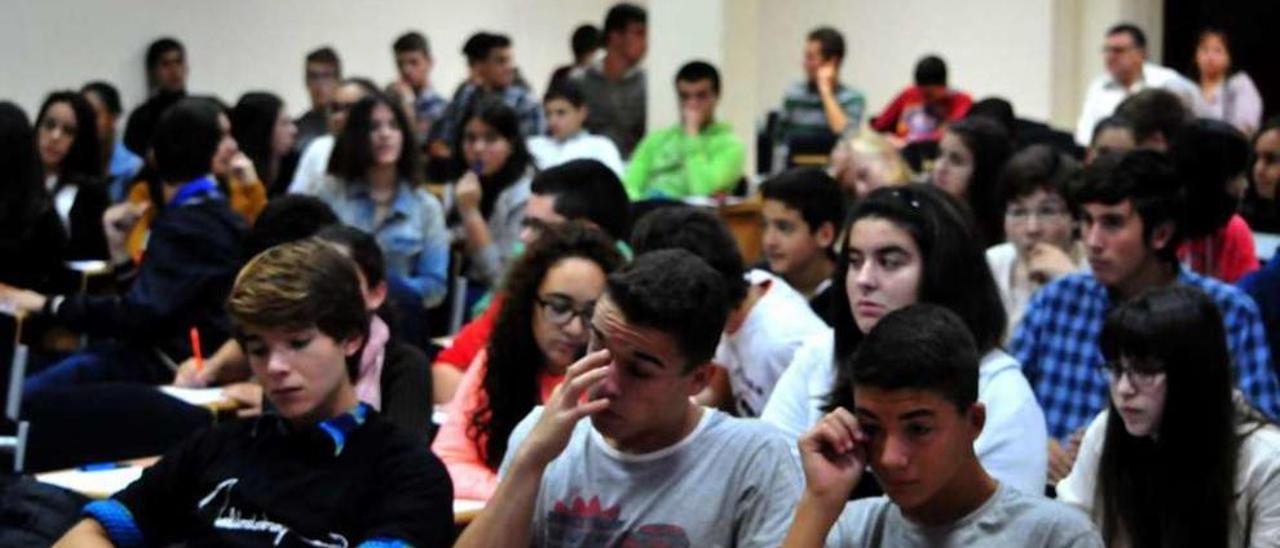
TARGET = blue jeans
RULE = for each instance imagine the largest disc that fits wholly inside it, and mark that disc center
(107, 362)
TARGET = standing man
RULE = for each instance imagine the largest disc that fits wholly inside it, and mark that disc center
(820, 108)
(323, 71)
(614, 86)
(1128, 72)
(167, 83)
(422, 105)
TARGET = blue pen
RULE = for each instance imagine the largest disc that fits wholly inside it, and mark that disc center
(101, 466)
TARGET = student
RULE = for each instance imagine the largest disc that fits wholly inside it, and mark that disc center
(323, 467)
(313, 165)
(121, 165)
(1111, 135)
(490, 195)
(915, 420)
(263, 131)
(1177, 458)
(578, 190)
(166, 63)
(865, 162)
(650, 466)
(903, 246)
(322, 72)
(1226, 92)
(1039, 218)
(422, 105)
(971, 154)
(192, 257)
(567, 140)
(67, 145)
(1129, 210)
(697, 157)
(919, 114)
(820, 107)
(585, 44)
(1128, 72)
(1264, 286)
(803, 211)
(541, 330)
(1211, 157)
(614, 86)
(1156, 115)
(1261, 206)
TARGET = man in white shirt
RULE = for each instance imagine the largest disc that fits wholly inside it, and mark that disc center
(1128, 72)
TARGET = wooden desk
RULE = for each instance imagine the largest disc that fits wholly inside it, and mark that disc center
(746, 223)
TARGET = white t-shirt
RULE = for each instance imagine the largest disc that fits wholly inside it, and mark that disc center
(1256, 512)
(757, 354)
(1105, 94)
(548, 153)
(1011, 446)
(309, 176)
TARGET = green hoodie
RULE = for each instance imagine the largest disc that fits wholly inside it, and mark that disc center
(670, 164)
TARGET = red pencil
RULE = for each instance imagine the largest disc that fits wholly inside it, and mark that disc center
(195, 349)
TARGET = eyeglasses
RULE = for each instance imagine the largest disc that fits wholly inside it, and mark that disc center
(560, 311)
(1044, 213)
(49, 125)
(1141, 379)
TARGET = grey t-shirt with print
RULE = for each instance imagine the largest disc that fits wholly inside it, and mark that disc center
(731, 482)
(1009, 518)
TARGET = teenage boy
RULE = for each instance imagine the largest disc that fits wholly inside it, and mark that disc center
(166, 64)
(697, 157)
(650, 467)
(820, 107)
(915, 384)
(614, 86)
(566, 112)
(323, 469)
(322, 71)
(122, 165)
(803, 210)
(920, 113)
(421, 104)
(768, 320)
(1129, 205)
(1111, 135)
(491, 62)
(1156, 115)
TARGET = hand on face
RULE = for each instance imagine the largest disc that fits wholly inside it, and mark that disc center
(566, 406)
(693, 118)
(1046, 262)
(469, 192)
(242, 170)
(834, 455)
(826, 76)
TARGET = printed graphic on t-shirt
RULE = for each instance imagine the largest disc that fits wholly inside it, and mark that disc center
(587, 523)
(919, 121)
(228, 514)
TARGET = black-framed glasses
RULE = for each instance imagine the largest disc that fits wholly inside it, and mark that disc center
(1141, 378)
(560, 310)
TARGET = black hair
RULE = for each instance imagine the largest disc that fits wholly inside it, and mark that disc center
(830, 42)
(186, 139)
(931, 70)
(586, 38)
(22, 195)
(697, 71)
(1139, 37)
(107, 93)
(495, 113)
(478, 47)
(285, 219)
(1143, 488)
(566, 90)
(1221, 33)
(1147, 179)
(353, 151)
(83, 161)
(919, 347)
(999, 110)
(412, 41)
(621, 16)
(514, 359)
(361, 246)
(990, 146)
(327, 56)
(253, 124)
(812, 192)
(677, 293)
(1208, 154)
(1153, 111)
(1040, 167)
(587, 190)
(954, 271)
(698, 232)
(161, 46)
(1114, 121)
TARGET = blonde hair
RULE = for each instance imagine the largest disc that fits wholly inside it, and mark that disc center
(868, 141)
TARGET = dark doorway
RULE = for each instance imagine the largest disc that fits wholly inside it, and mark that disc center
(1251, 26)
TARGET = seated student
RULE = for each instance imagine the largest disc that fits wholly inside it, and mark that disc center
(585, 44)
(768, 320)
(1156, 115)
(1211, 157)
(803, 211)
(121, 165)
(1264, 286)
(313, 165)
(166, 66)
(614, 85)
(1111, 135)
(553, 285)
(919, 113)
(265, 134)
(322, 467)
(1129, 209)
(192, 257)
(1039, 219)
(650, 466)
(970, 156)
(697, 157)
(422, 105)
(865, 162)
(914, 419)
(67, 146)
(578, 190)
(322, 72)
(906, 245)
(568, 140)
(820, 107)
(1178, 457)
(1261, 205)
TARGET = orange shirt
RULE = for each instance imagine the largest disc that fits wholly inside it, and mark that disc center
(247, 199)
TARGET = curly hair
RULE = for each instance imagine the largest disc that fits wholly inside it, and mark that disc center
(510, 383)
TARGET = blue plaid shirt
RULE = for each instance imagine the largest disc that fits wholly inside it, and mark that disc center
(1057, 344)
(527, 107)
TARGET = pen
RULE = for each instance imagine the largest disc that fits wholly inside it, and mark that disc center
(195, 349)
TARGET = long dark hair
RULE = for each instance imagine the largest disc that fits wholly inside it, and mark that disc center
(954, 271)
(84, 159)
(504, 120)
(511, 380)
(353, 151)
(990, 146)
(1146, 492)
(253, 124)
(22, 197)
